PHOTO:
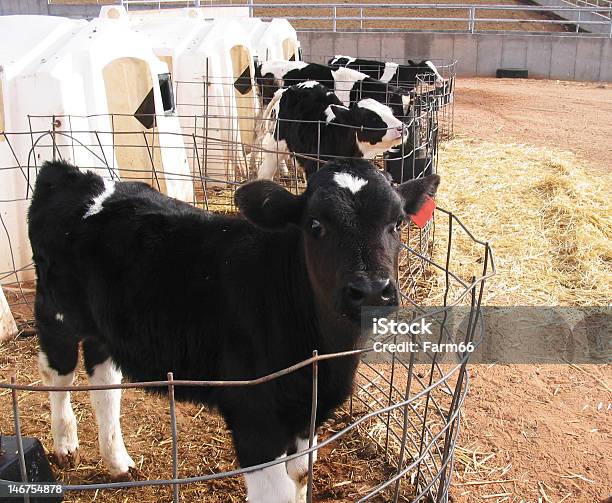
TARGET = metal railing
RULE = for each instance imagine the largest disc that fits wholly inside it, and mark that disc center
(469, 18)
(594, 5)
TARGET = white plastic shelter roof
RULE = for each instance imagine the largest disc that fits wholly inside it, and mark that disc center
(24, 38)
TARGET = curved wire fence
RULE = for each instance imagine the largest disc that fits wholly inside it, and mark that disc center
(407, 410)
(410, 411)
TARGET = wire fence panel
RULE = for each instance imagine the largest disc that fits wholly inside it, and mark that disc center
(407, 412)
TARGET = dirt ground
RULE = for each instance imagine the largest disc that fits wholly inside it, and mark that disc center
(575, 116)
(548, 429)
(529, 433)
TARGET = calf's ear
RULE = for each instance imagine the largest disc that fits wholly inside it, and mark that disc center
(268, 205)
(415, 192)
(343, 114)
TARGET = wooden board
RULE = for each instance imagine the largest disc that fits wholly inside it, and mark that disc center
(241, 59)
(2, 126)
(289, 49)
(128, 82)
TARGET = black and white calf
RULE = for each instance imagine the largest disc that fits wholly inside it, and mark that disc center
(107, 254)
(311, 121)
(349, 85)
(401, 75)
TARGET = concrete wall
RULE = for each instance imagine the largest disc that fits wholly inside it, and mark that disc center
(41, 8)
(10, 7)
(566, 57)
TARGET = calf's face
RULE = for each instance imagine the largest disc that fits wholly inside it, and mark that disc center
(377, 129)
(349, 218)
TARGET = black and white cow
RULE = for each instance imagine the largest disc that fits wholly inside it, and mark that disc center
(312, 121)
(251, 295)
(349, 85)
(400, 75)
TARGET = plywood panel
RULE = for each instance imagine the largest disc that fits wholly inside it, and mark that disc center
(241, 60)
(128, 82)
(2, 123)
(289, 49)
(168, 61)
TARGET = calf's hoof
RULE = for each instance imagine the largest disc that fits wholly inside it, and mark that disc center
(131, 474)
(66, 459)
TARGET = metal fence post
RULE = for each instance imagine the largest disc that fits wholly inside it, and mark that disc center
(313, 423)
(334, 18)
(472, 19)
(175, 487)
(16, 419)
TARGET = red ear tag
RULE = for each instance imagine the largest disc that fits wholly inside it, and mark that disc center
(425, 213)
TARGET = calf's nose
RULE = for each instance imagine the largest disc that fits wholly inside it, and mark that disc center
(366, 292)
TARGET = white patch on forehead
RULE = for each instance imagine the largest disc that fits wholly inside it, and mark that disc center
(433, 68)
(280, 67)
(344, 80)
(96, 206)
(59, 317)
(350, 182)
(308, 84)
(389, 73)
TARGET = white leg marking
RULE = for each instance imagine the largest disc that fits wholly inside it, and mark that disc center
(298, 469)
(272, 158)
(270, 485)
(63, 421)
(107, 405)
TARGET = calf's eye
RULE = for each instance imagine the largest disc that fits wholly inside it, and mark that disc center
(398, 224)
(316, 229)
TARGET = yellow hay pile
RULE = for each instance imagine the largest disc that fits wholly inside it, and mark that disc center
(546, 214)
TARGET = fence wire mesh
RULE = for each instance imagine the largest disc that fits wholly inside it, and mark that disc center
(408, 412)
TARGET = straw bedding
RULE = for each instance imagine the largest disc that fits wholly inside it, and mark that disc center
(549, 222)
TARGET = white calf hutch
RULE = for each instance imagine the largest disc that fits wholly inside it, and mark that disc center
(169, 99)
(25, 43)
(211, 63)
(107, 98)
(272, 40)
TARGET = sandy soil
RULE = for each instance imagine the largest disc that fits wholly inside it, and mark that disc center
(575, 116)
(547, 428)
(533, 433)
